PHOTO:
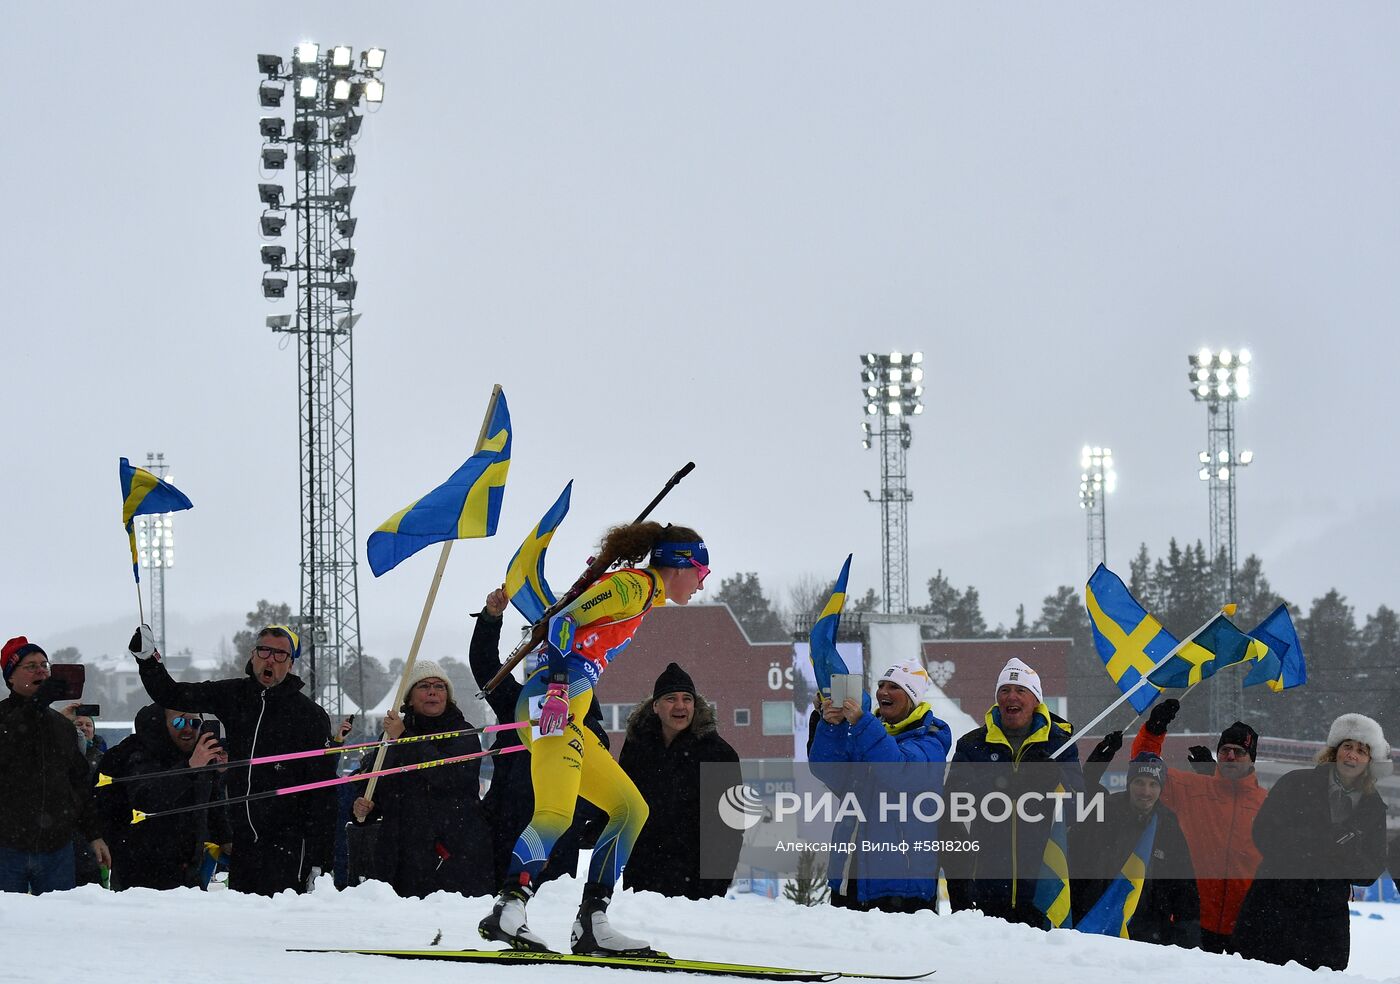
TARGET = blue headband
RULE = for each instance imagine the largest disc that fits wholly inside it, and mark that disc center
(670, 554)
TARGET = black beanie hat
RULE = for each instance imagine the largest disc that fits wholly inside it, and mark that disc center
(1243, 735)
(673, 679)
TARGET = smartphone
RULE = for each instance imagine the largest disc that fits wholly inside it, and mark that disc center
(846, 686)
(70, 678)
(89, 710)
(211, 727)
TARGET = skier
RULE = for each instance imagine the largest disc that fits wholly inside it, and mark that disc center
(567, 760)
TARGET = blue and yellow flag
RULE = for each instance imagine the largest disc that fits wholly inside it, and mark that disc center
(466, 506)
(1218, 645)
(529, 591)
(1052, 887)
(1114, 909)
(145, 495)
(825, 659)
(1283, 666)
(1129, 641)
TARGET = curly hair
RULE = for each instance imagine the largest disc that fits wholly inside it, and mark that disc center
(632, 543)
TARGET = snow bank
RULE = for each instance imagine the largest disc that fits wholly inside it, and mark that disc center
(144, 936)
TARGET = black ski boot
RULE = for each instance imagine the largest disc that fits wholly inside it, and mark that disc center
(506, 923)
(593, 935)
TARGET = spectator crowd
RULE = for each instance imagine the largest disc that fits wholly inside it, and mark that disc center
(1220, 862)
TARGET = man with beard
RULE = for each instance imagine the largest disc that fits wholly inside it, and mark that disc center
(163, 852)
(280, 842)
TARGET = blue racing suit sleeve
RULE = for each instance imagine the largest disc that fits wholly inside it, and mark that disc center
(559, 642)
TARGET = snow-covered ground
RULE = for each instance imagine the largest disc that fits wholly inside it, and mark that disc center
(219, 936)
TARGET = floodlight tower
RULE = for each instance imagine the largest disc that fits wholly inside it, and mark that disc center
(1096, 480)
(155, 549)
(328, 89)
(891, 386)
(1220, 379)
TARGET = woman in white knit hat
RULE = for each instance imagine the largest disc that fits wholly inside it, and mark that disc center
(433, 834)
(1320, 831)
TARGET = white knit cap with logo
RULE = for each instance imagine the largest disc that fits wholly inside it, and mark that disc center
(1023, 676)
(909, 677)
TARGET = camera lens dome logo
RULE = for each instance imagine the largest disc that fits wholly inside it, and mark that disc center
(740, 807)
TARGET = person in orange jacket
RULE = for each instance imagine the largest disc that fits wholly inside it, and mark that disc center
(1216, 812)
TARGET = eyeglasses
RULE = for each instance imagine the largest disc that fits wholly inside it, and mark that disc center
(183, 721)
(1232, 752)
(33, 667)
(430, 686)
(276, 655)
(701, 571)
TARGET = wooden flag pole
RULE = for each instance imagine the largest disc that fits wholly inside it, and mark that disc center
(428, 605)
(412, 655)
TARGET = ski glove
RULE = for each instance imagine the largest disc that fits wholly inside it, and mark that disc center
(1106, 749)
(1201, 759)
(143, 643)
(1162, 716)
(554, 712)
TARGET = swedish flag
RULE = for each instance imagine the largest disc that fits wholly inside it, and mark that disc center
(1114, 909)
(529, 591)
(466, 506)
(1283, 666)
(1129, 641)
(1052, 887)
(825, 659)
(1218, 645)
(145, 495)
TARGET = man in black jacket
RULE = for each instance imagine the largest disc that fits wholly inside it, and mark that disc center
(280, 842)
(670, 738)
(1168, 910)
(45, 795)
(164, 852)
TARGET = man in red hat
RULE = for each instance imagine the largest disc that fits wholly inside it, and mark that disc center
(45, 792)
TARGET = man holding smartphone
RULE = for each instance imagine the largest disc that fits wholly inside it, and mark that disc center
(45, 795)
(164, 852)
(284, 841)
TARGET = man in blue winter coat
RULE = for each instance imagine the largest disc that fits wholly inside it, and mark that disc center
(886, 759)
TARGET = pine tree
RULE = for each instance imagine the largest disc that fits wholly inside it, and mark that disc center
(1375, 670)
(960, 612)
(808, 886)
(744, 595)
(1331, 643)
(1063, 616)
(264, 614)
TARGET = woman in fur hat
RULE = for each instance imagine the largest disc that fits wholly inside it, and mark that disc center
(1320, 831)
(433, 833)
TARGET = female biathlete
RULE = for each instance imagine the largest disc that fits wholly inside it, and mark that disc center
(568, 760)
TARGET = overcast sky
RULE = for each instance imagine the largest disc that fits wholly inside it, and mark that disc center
(669, 231)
